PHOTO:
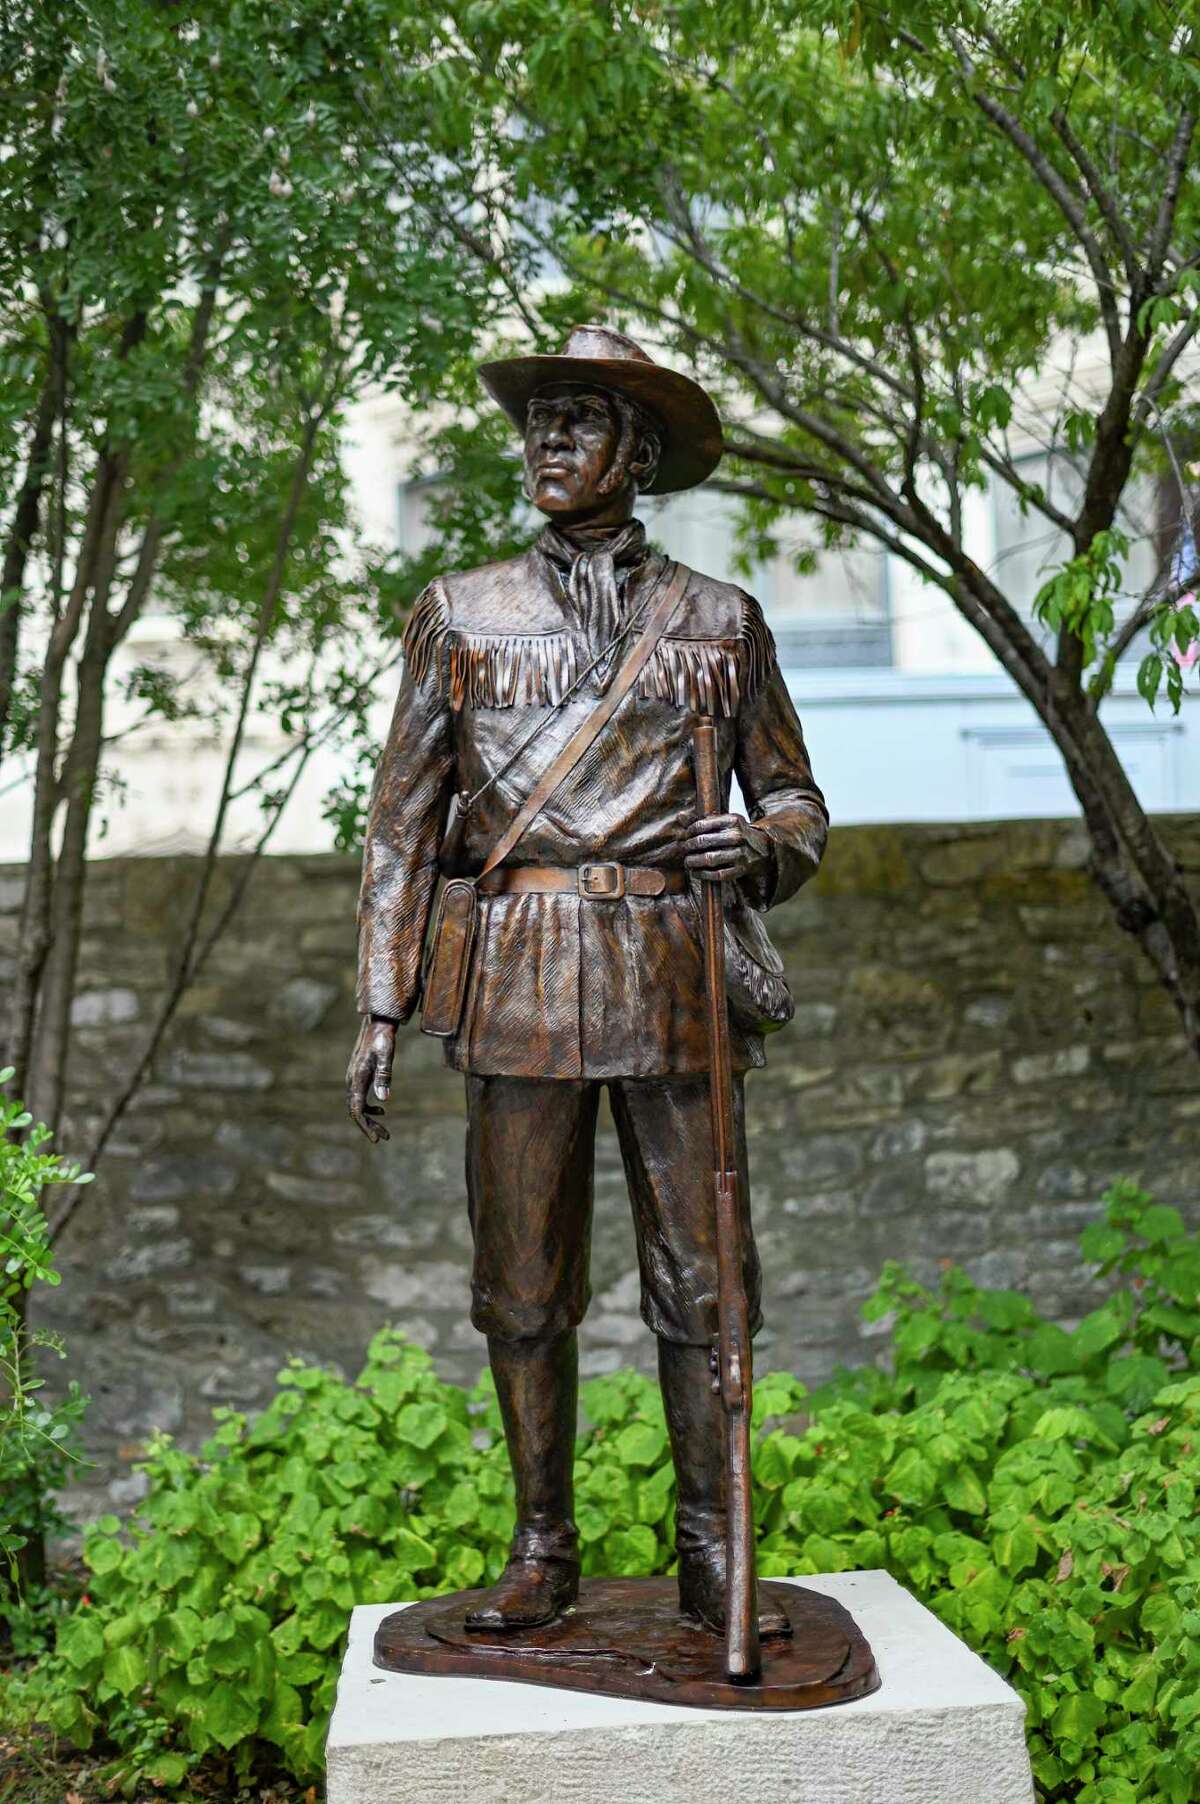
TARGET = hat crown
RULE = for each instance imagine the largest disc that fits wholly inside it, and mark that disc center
(604, 343)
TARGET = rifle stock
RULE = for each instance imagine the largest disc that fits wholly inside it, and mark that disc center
(743, 1659)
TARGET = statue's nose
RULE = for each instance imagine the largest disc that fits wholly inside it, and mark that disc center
(556, 431)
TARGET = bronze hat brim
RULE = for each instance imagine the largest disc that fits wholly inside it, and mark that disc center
(690, 422)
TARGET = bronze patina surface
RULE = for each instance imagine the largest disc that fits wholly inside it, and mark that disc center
(626, 1638)
(557, 783)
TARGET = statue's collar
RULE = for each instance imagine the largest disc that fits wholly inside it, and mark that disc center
(625, 543)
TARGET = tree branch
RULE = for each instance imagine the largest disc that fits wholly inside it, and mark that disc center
(185, 964)
(1059, 191)
(1167, 359)
(1101, 194)
(1160, 236)
(22, 533)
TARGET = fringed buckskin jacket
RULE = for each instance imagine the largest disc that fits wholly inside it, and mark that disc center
(564, 986)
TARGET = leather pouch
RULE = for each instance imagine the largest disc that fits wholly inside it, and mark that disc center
(448, 963)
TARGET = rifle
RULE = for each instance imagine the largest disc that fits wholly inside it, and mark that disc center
(743, 1659)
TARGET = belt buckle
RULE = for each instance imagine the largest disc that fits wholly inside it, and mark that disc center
(602, 881)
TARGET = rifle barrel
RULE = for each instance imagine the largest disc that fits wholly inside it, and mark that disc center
(743, 1660)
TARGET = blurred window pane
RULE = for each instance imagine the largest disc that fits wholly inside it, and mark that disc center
(834, 617)
(1030, 548)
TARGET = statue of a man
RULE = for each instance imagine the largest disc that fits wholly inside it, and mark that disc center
(586, 968)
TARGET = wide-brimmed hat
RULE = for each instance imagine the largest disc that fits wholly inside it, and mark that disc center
(600, 357)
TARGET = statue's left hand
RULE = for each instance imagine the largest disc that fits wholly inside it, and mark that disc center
(725, 846)
(370, 1073)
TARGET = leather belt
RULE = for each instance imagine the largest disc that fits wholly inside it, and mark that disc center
(602, 882)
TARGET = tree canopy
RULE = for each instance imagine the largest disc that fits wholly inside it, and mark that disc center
(905, 246)
(222, 225)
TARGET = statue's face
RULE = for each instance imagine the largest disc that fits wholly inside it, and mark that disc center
(571, 438)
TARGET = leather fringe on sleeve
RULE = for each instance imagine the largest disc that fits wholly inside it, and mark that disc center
(502, 670)
(425, 634)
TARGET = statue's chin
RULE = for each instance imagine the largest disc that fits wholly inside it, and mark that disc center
(555, 498)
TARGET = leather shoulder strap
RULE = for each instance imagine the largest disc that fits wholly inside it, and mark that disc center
(561, 766)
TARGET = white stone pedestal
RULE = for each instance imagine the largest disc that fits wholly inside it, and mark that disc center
(942, 1729)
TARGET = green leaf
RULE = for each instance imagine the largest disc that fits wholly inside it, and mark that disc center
(81, 1639)
(1016, 1548)
(1161, 1223)
(1099, 1331)
(229, 1716)
(167, 1769)
(420, 1424)
(1099, 1243)
(641, 1444)
(103, 1556)
(1078, 1718)
(1050, 1351)
(1149, 677)
(125, 1669)
(963, 1491)
(912, 1478)
(179, 1633)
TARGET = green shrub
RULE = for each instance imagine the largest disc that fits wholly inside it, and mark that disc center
(1035, 1487)
(36, 1438)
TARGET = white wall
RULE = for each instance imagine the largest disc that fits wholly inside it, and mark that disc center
(941, 735)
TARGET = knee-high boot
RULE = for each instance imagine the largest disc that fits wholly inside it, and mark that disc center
(537, 1385)
(696, 1426)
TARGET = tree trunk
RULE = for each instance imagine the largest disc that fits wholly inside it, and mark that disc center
(20, 539)
(47, 1068)
(50, 1036)
(33, 933)
(77, 786)
(1144, 884)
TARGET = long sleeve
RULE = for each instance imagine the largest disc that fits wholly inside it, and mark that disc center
(409, 802)
(772, 767)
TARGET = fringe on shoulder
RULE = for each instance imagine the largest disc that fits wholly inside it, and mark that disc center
(758, 646)
(712, 676)
(506, 670)
(425, 634)
(501, 670)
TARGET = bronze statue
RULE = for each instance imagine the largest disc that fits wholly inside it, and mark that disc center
(540, 762)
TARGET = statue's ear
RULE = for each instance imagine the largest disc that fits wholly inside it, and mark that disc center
(643, 465)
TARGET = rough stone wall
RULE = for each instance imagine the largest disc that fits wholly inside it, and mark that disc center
(976, 1052)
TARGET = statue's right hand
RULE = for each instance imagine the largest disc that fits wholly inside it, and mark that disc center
(370, 1071)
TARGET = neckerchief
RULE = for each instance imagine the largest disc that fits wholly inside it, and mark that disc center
(595, 562)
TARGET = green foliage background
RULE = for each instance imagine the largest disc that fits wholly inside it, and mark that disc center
(35, 1436)
(1036, 1488)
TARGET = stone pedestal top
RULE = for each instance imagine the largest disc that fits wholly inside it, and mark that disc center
(942, 1729)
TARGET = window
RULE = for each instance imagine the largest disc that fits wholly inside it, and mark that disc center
(412, 528)
(835, 617)
(1029, 548)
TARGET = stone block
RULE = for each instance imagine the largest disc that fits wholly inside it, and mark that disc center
(104, 1008)
(217, 1071)
(982, 1177)
(942, 1729)
(304, 1002)
(176, 1177)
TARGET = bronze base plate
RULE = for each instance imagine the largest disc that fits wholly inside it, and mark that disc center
(626, 1638)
